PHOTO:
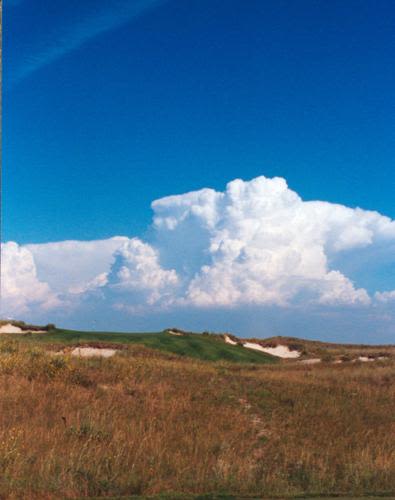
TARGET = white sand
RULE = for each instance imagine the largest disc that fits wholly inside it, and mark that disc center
(311, 361)
(9, 328)
(88, 352)
(364, 359)
(228, 340)
(177, 334)
(281, 351)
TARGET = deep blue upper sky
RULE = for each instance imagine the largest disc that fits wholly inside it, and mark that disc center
(106, 110)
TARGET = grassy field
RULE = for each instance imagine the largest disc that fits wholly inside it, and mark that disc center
(204, 347)
(151, 422)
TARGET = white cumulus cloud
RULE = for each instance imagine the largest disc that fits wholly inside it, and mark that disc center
(385, 296)
(72, 266)
(256, 243)
(260, 243)
(21, 289)
(137, 271)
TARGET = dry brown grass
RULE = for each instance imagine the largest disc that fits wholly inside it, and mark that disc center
(145, 423)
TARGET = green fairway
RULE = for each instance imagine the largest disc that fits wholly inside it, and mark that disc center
(205, 347)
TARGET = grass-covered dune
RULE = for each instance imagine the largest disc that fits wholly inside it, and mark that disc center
(146, 422)
(329, 350)
(204, 346)
(199, 346)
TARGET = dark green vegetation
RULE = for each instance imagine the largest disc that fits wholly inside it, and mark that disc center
(204, 347)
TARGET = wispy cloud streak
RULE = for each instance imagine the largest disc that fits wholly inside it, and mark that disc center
(73, 36)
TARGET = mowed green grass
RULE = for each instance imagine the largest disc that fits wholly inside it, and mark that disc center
(204, 347)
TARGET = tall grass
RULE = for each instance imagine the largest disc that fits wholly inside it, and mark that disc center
(144, 423)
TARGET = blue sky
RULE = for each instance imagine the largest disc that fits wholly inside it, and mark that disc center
(111, 105)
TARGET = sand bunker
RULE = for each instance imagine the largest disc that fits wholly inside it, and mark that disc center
(367, 359)
(228, 340)
(175, 332)
(281, 351)
(9, 328)
(89, 352)
(364, 359)
(311, 361)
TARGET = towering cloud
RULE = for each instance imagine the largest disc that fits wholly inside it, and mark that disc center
(257, 243)
(21, 289)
